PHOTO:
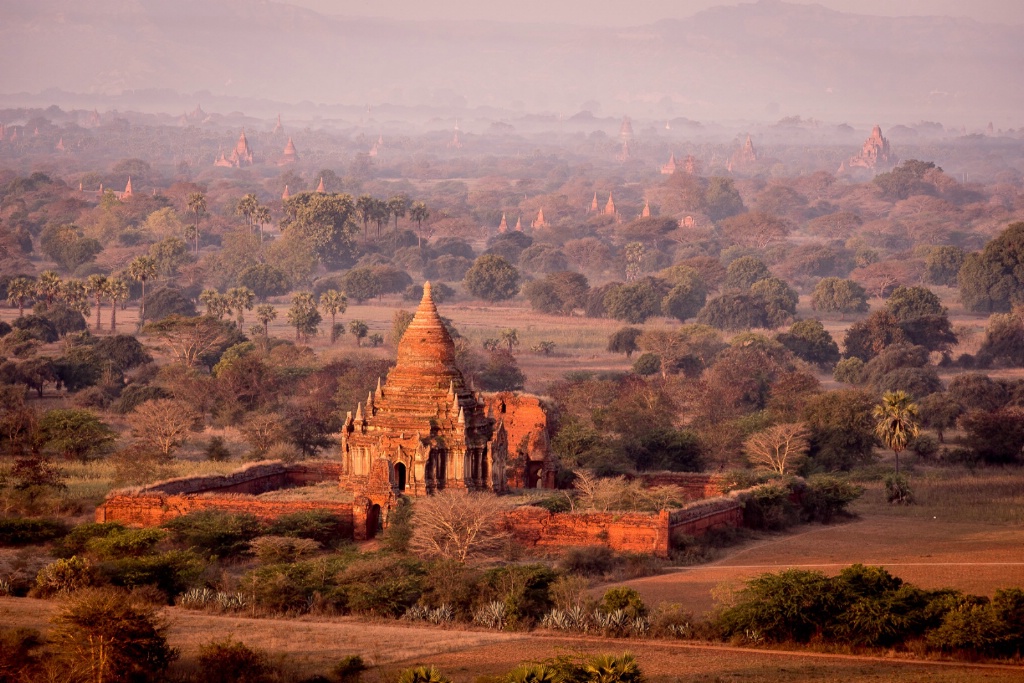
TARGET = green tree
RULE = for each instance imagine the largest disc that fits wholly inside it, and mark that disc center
(722, 199)
(779, 298)
(939, 411)
(327, 221)
(492, 278)
(260, 217)
(634, 302)
(365, 208)
(735, 311)
(1004, 339)
(67, 247)
(216, 303)
(836, 295)
(304, 316)
(246, 207)
(993, 280)
(624, 341)
(744, 272)
(191, 339)
(169, 254)
(197, 205)
(104, 635)
(76, 434)
(869, 337)
(359, 330)
(896, 422)
(841, 429)
(942, 265)
(361, 284)
(142, 269)
(811, 342)
(688, 294)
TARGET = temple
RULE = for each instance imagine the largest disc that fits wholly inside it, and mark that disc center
(425, 431)
(241, 155)
(539, 222)
(289, 156)
(609, 207)
(874, 154)
(670, 167)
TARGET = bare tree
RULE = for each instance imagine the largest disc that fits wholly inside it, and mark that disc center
(162, 424)
(458, 526)
(779, 448)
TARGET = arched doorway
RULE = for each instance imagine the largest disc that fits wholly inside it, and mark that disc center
(373, 522)
(400, 475)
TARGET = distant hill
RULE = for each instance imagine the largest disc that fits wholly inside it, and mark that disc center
(755, 61)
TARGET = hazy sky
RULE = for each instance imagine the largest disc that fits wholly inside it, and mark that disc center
(632, 12)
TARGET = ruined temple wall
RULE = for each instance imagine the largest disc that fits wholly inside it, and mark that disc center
(697, 486)
(699, 518)
(627, 532)
(252, 480)
(155, 509)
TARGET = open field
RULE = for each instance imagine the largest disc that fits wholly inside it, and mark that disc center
(312, 645)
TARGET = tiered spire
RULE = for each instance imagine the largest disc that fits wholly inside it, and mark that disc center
(320, 188)
(503, 226)
(128, 188)
(609, 207)
(286, 194)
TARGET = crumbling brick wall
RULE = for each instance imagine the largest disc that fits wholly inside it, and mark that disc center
(626, 532)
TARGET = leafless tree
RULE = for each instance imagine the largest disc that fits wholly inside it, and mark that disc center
(163, 424)
(458, 526)
(779, 448)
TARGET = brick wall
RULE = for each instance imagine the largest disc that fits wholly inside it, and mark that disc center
(629, 532)
(154, 509)
(697, 486)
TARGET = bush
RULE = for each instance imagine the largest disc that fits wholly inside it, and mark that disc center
(135, 395)
(593, 561)
(849, 371)
(229, 661)
(382, 586)
(321, 526)
(925, 445)
(64, 576)
(897, 490)
(768, 508)
(625, 599)
(17, 660)
(19, 531)
(647, 364)
(76, 541)
(216, 451)
(171, 572)
(827, 496)
(214, 532)
(349, 669)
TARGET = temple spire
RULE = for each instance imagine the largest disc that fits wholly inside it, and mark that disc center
(320, 188)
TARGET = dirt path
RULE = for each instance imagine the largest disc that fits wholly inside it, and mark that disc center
(972, 557)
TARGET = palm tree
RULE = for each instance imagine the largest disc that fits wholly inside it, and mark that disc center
(96, 285)
(72, 292)
(897, 422)
(117, 290)
(240, 300)
(19, 289)
(48, 286)
(364, 205)
(419, 213)
(261, 216)
(216, 303)
(265, 313)
(423, 674)
(398, 207)
(197, 205)
(380, 213)
(142, 268)
(333, 302)
(247, 206)
(612, 669)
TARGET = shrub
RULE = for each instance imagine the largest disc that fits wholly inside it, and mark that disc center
(792, 605)
(897, 490)
(113, 636)
(827, 496)
(277, 549)
(925, 445)
(625, 599)
(382, 586)
(17, 660)
(768, 508)
(349, 669)
(216, 450)
(399, 532)
(214, 532)
(647, 364)
(76, 541)
(593, 561)
(19, 531)
(125, 543)
(170, 572)
(321, 526)
(849, 370)
(230, 661)
(522, 589)
(64, 576)
(423, 674)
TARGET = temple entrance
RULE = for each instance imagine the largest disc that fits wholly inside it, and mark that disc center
(400, 475)
(533, 473)
(373, 522)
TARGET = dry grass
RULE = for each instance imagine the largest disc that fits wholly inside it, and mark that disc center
(90, 482)
(307, 646)
(326, 491)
